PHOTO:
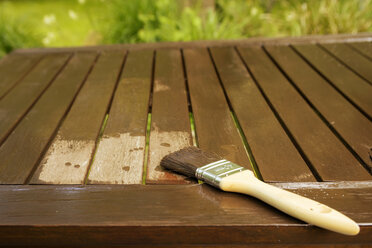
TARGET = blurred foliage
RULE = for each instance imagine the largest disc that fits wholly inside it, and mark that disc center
(15, 33)
(31, 23)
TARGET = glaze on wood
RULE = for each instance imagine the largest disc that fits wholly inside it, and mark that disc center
(215, 128)
(13, 69)
(21, 151)
(18, 102)
(356, 89)
(354, 127)
(351, 58)
(365, 48)
(170, 124)
(326, 153)
(69, 155)
(120, 154)
(194, 214)
(274, 153)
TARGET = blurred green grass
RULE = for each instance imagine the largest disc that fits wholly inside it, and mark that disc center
(35, 23)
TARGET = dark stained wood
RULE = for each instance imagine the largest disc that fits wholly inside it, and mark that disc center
(354, 60)
(195, 214)
(21, 151)
(356, 89)
(70, 153)
(215, 128)
(120, 154)
(170, 124)
(364, 48)
(355, 128)
(13, 69)
(326, 153)
(18, 102)
(274, 153)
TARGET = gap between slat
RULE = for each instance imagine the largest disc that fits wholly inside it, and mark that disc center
(343, 63)
(247, 148)
(148, 123)
(285, 128)
(62, 119)
(22, 77)
(325, 121)
(191, 113)
(359, 51)
(36, 100)
(332, 84)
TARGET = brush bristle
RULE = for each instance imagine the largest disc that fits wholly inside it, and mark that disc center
(187, 160)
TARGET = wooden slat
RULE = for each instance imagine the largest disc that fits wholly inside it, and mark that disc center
(355, 88)
(170, 124)
(68, 157)
(327, 154)
(22, 150)
(364, 47)
(13, 69)
(120, 153)
(215, 128)
(274, 153)
(354, 60)
(18, 102)
(354, 127)
(167, 214)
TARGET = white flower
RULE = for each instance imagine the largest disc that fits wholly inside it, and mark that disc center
(72, 14)
(81, 1)
(49, 38)
(49, 19)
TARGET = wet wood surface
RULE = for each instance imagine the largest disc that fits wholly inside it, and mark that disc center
(261, 128)
(296, 111)
(174, 215)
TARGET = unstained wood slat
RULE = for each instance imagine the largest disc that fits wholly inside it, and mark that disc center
(16, 104)
(215, 127)
(120, 153)
(356, 89)
(23, 148)
(170, 124)
(274, 153)
(68, 157)
(357, 62)
(364, 47)
(331, 159)
(13, 68)
(354, 127)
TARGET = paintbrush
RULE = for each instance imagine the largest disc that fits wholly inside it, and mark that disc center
(227, 176)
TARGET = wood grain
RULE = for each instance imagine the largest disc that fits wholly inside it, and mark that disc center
(354, 60)
(274, 153)
(13, 69)
(340, 114)
(355, 88)
(21, 151)
(170, 124)
(330, 158)
(120, 154)
(19, 101)
(195, 214)
(70, 153)
(215, 128)
(364, 48)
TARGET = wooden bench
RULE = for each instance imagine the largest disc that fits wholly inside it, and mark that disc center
(82, 131)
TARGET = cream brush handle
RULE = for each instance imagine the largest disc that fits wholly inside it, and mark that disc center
(300, 207)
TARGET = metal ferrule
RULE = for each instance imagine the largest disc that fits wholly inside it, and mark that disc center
(214, 172)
